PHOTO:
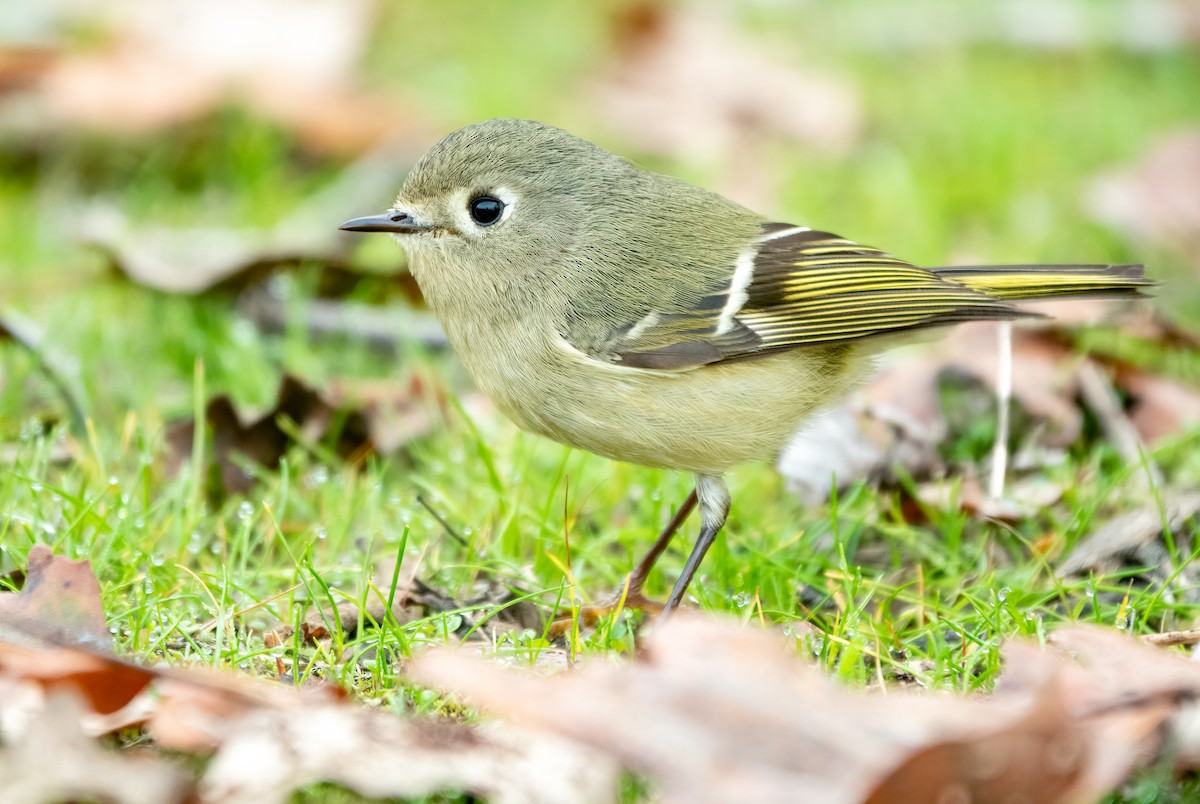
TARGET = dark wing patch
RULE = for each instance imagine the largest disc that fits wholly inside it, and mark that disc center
(814, 287)
(806, 288)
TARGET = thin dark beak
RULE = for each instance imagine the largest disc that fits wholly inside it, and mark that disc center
(393, 221)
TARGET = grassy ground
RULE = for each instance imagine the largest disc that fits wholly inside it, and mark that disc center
(980, 152)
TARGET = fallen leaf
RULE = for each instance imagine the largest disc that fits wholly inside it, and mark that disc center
(192, 260)
(375, 754)
(898, 421)
(682, 84)
(164, 63)
(52, 760)
(388, 329)
(261, 440)
(1161, 407)
(716, 712)
(19, 330)
(1136, 540)
(1154, 200)
(107, 683)
(58, 605)
(1134, 26)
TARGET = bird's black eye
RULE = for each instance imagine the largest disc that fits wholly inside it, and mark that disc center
(485, 210)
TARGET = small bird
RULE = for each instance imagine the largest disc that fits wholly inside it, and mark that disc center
(642, 318)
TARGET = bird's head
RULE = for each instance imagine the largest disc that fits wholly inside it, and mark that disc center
(503, 195)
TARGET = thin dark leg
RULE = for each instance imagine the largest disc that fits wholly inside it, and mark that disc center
(637, 578)
(707, 536)
(631, 591)
(713, 499)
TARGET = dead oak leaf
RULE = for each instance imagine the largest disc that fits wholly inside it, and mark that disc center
(1155, 199)
(52, 760)
(898, 420)
(714, 712)
(262, 440)
(684, 84)
(273, 752)
(171, 61)
(58, 605)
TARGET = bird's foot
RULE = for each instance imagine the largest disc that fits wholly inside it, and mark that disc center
(588, 616)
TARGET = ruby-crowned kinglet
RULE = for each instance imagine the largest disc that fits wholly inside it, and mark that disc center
(636, 316)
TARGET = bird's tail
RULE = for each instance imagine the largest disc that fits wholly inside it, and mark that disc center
(1015, 282)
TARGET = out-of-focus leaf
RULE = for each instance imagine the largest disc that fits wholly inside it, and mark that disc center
(273, 752)
(50, 759)
(59, 604)
(1138, 539)
(262, 440)
(194, 260)
(1154, 200)
(19, 330)
(682, 84)
(170, 61)
(715, 712)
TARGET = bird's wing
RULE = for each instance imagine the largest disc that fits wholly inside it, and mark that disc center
(797, 287)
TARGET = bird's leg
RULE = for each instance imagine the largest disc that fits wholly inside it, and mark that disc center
(637, 578)
(631, 590)
(714, 507)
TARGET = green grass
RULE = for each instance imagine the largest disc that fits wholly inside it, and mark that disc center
(981, 152)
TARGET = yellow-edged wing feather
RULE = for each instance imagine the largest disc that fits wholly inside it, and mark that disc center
(804, 287)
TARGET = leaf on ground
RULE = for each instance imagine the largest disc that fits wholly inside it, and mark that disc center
(898, 420)
(238, 439)
(50, 759)
(491, 604)
(190, 260)
(1160, 407)
(17, 329)
(1138, 540)
(1154, 200)
(171, 61)
(1024, 498)
(107, 683)
(385, 328)
(375, 754)
(269, 739)
(715, 712)
(684, 84)
(58, 605)
(897, 425)
(396, 410)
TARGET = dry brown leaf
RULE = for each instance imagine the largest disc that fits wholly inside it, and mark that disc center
(1161, 407)
(193, 260)
(58, 605)
(23, 332)
(50, 759)
(681, 84)
(171, 61)
(196, 709)
(273, 752)
(1155, 200)
(108, 684)
(237, 439)
(1135, 540)
(385, 328)
(715, 712)
(898, 421)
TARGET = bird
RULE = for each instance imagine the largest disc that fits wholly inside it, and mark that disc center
(645, 319)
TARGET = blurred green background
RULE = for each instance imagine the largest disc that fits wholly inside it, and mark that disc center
(184, 136)
(156, 156)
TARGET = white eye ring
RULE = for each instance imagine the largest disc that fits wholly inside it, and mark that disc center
(463, 201)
